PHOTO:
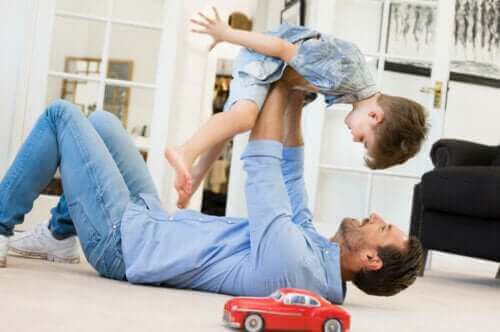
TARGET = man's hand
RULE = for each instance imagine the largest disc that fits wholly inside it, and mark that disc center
(216, 27)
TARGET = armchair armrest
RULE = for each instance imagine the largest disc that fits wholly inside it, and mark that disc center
(451, 152)
(471, 191)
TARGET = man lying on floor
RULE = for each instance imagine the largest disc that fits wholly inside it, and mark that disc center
(111, 204)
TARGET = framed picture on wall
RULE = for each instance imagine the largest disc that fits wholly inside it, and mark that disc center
(475, 49)
(294, 12)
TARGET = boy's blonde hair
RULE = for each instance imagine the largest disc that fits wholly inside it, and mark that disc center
(401, 133)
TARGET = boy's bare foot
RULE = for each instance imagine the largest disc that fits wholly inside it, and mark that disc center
(183, 179)
(197, 177)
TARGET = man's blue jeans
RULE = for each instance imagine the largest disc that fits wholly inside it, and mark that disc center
(101, 172)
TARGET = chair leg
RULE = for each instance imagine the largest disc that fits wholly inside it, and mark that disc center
(424, 263)
(498, 273)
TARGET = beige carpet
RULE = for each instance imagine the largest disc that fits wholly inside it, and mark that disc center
(41, 296)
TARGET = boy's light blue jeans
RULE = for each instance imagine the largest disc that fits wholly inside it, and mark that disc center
(101, 172)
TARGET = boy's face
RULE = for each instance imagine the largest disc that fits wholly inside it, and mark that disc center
(362, 122)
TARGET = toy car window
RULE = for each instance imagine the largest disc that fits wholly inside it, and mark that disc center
(298, 299)
(313, 302)
(277, 295)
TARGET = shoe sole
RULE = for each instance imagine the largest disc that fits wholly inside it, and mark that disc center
(48, 257)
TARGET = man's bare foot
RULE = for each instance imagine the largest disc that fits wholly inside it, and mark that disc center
(183, 179)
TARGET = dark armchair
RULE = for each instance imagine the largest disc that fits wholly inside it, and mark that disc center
(456, 206)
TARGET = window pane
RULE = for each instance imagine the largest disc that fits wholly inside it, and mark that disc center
(87, 7)
(400, 82)
(143, 11)
(367, 13)
(75, 40)
(81, 93)
(372, 63)
(395, 210)
(411, 30)
(140, 60)
(462, 109)
(338, 148)
(340, 195)
(134, 107)
(298, 299)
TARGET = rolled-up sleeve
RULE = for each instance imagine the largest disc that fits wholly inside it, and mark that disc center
(292, 167)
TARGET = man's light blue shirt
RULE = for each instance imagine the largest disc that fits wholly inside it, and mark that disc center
(277, 246)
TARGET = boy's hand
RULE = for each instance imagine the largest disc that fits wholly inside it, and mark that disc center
(216, 27)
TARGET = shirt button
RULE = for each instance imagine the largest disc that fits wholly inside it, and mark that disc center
(170, 218)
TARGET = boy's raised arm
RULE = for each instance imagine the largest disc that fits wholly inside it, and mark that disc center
(260, 43)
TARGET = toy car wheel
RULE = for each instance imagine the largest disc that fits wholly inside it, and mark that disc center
(332, 325)
(254, 323)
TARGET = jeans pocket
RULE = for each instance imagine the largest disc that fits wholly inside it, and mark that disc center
(110, 263)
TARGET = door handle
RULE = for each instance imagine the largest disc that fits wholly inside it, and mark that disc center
(437, 90)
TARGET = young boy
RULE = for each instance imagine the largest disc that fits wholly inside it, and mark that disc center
(391, 128)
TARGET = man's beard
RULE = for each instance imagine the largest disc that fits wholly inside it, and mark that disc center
(349, 235)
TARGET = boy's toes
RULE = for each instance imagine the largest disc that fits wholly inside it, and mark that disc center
(183, 200)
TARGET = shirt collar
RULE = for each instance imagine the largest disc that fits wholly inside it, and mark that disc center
(336, 287)
(330, 252)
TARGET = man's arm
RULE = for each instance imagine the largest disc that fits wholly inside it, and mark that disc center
(260, 43)
(292, 164)
(272, 233)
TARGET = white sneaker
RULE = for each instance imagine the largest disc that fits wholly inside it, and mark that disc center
(4, 246)
(40, 243)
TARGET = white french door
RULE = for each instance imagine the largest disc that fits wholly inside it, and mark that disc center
(395, 36)
(113, 54)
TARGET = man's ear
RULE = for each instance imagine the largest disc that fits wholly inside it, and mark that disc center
(377, 115)
(371, 260)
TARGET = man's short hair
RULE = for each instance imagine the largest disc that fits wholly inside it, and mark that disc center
(401, 133)
(399, 270)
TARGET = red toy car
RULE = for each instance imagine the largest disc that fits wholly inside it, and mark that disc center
(287, 309)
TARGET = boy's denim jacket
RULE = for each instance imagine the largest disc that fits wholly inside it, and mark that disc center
(336, 67)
